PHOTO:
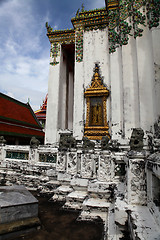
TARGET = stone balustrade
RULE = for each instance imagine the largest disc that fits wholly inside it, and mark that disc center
(82, 177)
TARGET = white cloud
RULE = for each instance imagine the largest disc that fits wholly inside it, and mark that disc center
(25, 78)
(24, 58)
(97, 4)
(10, 94)
(24, 49)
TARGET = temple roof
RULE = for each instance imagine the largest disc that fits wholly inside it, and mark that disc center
(83, 18)
(17, 118)
(126, 15)
(41, 113)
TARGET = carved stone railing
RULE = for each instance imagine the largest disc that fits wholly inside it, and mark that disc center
(36, 166)
(25, 153)
(17, 155)
(91, 164)
(14, 152)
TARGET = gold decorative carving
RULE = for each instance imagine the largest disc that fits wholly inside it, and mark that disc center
(62, 36)
(112, 4)
(96, 118)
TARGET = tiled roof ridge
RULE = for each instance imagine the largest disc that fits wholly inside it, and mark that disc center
(13, 99)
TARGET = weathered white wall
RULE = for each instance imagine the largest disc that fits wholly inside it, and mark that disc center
(132, 74)
(95, 50)
(135, 84)
(117, 117)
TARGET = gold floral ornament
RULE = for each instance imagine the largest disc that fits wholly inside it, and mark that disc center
(96, 119)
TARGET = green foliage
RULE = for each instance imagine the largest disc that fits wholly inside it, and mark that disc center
(119, 26)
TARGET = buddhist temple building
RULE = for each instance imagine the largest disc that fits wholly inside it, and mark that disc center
(101, 155)
(103, 72)
(18, 123)
(41, 113)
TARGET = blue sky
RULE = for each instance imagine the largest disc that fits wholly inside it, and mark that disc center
(24, 46)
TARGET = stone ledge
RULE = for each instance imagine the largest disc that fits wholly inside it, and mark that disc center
(96, 203)
(19, 225)
(92, 216)
(143, 224)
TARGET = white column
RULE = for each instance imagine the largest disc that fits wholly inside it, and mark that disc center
(52, 104)
(62, 93)
(130, 82)
(146, 79)
(156, 56)
(78, 117)
(116, 94)
(70, 101)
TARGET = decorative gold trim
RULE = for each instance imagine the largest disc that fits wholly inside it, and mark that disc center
(104, 111)
(112, 4)
(88, 110)
(96, 133)
(96, 89)
(62, 36)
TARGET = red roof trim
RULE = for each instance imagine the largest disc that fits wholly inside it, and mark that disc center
(15, 129)
(10, 120)
(19, 135)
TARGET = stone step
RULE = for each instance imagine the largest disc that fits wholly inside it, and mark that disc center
(96, 204)
(79, 184)
(143, 224)
(61, 192)
(49, 187)
(75, 199)
(52, 184)
(92, 216)
(102, 189)
(77, 196)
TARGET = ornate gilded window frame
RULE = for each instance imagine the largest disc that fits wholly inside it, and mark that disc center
(96, 89)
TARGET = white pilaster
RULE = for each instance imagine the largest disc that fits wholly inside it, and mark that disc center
(130, 82)
(52, 104)
(78, 116)
(70, 101)
(62, 93)
(146, 80)
(116, 94)
(156, 56)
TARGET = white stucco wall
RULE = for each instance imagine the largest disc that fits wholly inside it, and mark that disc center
(95, 49)
(135, 84)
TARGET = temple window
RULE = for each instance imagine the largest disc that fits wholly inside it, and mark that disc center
(96, 118)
